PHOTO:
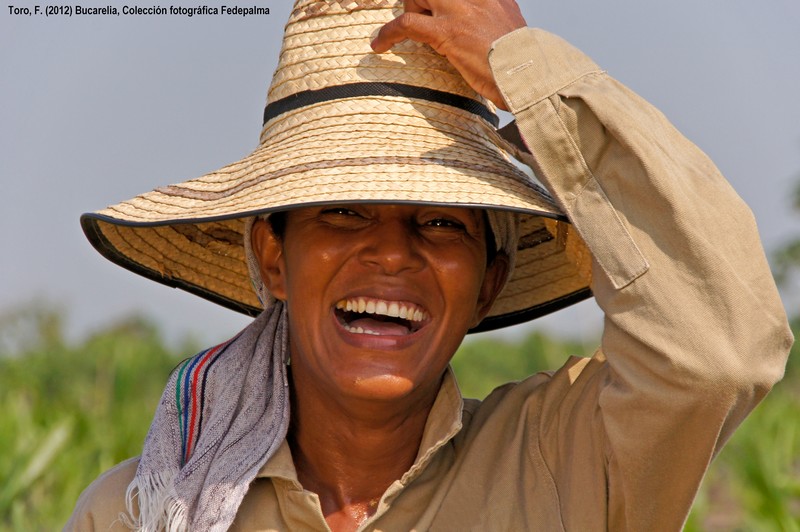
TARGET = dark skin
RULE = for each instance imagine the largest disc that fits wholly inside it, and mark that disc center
(360, 402)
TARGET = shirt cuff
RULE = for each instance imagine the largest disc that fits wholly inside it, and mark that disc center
(530, 65)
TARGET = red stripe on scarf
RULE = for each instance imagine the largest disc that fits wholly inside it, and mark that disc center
(196, 372)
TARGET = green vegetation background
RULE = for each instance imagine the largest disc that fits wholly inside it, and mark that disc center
(73, 409)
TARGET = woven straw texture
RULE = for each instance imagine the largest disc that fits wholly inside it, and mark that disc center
(369, 148)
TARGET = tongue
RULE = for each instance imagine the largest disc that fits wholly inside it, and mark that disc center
(388, 328)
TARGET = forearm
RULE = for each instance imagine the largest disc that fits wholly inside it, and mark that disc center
(695, 333)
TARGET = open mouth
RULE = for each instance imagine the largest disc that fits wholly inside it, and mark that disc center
(378, 317)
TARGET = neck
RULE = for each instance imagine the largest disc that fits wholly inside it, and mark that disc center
(349, 451)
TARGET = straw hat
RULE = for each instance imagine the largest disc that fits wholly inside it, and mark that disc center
(344, 124)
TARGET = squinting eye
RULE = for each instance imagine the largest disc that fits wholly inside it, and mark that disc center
(343, 218)
(340, 210)
(444, 223)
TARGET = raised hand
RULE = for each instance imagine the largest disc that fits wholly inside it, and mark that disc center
(461, 30)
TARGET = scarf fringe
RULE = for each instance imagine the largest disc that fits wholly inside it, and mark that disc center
(159, 508)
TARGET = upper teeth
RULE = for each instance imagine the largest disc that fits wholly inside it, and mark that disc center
(385, 308)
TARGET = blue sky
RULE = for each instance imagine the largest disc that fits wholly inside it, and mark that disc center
(95, 110)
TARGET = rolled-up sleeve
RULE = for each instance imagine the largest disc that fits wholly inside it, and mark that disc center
(694, 333)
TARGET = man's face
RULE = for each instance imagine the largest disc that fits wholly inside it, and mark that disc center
(379, 297)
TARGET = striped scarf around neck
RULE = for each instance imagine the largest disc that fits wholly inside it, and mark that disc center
(223, 414)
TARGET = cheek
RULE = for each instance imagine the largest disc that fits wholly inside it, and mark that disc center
(312, 273)
(462, 278)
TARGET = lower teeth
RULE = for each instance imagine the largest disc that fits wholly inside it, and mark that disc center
(359, 330)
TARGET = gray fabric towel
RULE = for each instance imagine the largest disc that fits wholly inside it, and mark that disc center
(223, 414)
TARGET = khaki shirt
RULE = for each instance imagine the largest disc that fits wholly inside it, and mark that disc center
(695, 335)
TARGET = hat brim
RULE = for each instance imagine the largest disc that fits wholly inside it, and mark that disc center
(107, 234)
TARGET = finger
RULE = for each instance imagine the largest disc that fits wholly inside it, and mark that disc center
(417, 6)
(420, 28)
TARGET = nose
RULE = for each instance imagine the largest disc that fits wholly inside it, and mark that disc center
(392, 246)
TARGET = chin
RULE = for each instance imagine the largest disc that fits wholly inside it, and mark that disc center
(385, 387)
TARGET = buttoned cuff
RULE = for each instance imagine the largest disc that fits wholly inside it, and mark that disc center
(530, 65)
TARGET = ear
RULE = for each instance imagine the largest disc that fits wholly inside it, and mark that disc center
(268, 250)
(493, 283)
